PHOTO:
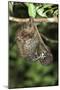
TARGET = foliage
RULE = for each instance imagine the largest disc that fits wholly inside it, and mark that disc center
(31, 10)
(21, 72)
(41, 10)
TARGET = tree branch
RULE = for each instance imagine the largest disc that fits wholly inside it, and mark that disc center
(23, 20)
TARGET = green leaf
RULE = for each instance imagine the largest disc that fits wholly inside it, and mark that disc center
(56, 13)
(10, 6)
(40, 12)
(31, 10)
(47, 6)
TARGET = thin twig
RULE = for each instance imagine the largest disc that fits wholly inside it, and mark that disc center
(22, 20)
(48, 39)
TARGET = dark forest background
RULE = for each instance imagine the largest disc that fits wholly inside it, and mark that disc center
(22, 73)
